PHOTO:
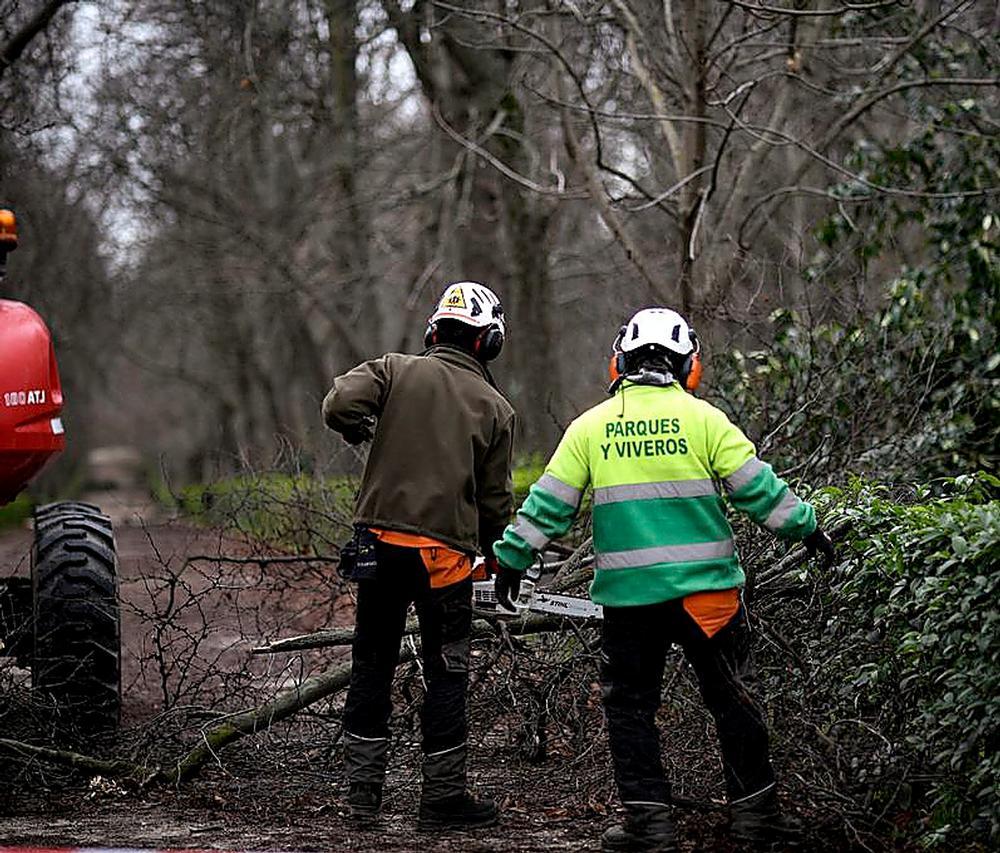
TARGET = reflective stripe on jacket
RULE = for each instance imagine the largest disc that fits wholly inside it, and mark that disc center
(658, 460)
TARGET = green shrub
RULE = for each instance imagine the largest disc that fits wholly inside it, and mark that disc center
(915, 608)
(525, 473)
(299, 512)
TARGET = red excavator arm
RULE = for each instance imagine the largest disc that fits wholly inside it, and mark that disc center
(31, 400)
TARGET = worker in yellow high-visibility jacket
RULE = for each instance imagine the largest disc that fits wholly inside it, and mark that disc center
(666, 569)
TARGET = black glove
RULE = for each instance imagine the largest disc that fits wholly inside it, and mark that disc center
(818, 542)
(507, 586)
(492, 567)
(359, 432)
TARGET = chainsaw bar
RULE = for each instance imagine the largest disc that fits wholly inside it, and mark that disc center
(483, 595)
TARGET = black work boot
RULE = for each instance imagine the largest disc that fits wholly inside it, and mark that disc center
(647, 827)
(757, 821)
(365, 800)
(365, 760)
(444, 801)
(462, 812)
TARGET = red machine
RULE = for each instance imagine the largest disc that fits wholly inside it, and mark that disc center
(63, 622)
(31, 431)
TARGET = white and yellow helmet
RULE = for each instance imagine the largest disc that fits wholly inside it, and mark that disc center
(475, 305)
(471, 303)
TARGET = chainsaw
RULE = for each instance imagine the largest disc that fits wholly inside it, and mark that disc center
(531, 599)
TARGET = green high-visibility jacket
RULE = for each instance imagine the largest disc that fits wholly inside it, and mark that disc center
(659, 460)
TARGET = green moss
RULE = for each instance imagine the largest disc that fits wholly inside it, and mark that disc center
(17, 512)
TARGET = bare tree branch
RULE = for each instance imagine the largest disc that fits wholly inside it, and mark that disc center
(16, 45)
(813, 13)
(499, 165)
(600, 199)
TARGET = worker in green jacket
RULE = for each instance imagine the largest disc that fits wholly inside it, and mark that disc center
(666, 569)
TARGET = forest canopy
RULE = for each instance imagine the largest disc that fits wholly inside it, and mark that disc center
(225, 204)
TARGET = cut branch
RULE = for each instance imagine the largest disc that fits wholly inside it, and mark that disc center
(284, 705)
(798, 556)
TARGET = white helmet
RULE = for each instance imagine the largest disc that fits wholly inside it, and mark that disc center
(665, 329)
(471, 303)
(660, 327)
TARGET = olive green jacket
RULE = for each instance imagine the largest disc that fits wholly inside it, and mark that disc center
(440, 461)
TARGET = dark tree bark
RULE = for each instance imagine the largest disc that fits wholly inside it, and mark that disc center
(18, 43)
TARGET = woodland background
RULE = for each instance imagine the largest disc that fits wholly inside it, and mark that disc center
(224, 204)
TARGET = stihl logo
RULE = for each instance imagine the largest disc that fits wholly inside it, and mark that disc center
(35, 397)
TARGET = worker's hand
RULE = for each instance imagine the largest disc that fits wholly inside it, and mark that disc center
(362, 431)
(507, 586)
(819, 543)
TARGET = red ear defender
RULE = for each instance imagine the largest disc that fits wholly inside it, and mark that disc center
(693, 378)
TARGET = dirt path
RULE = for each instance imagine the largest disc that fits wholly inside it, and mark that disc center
(187, 631)
(196, 621)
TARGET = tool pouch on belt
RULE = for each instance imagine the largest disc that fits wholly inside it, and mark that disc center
(358, 561)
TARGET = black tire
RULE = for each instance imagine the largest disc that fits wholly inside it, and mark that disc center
(76, 617)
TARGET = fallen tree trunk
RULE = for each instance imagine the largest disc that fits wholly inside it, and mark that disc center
(295, 699)
(319, 640)
(315, 688)
(331, 637)
(76, 760)
(282, 706)
(576, 568)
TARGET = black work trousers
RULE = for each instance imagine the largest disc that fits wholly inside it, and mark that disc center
(445, 616)
(636, 640)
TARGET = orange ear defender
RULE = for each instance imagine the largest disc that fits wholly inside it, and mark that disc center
(614, 368)
(693, 378)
